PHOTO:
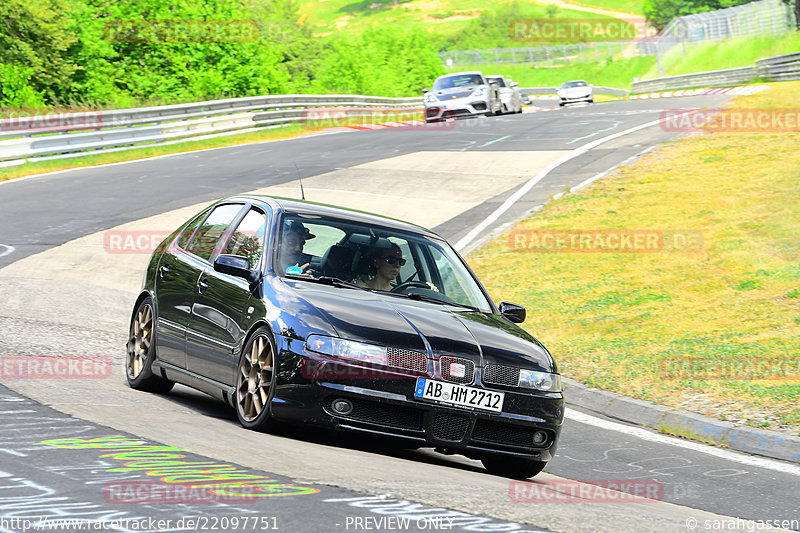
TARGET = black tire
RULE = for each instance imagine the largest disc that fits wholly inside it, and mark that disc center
(255, 382)
(512, 467)
(141, 352)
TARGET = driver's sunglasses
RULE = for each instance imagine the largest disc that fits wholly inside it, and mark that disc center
(394, 260)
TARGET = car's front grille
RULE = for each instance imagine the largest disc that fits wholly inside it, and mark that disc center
(451, 427)
(449, 364)
(382, 414)
(490, 432)
(507, 376)
(407, 360)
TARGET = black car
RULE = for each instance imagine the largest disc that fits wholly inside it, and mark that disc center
(299, 312)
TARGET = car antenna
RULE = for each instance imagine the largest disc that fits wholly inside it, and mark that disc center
(302, 192)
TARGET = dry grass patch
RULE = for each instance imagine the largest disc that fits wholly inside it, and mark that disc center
(623, 321)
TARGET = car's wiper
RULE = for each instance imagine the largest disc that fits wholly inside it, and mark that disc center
(433, 299)
(327, 280)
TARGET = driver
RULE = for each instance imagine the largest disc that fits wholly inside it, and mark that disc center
(387, 265)
(291, 254)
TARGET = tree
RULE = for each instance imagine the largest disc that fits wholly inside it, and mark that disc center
(34, 35)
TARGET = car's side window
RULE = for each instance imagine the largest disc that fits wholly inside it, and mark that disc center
(206, 238)
(188, 231)
(248, 238)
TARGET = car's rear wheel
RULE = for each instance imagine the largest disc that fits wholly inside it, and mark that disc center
(255, 382)
(512, 467)
(141, 351)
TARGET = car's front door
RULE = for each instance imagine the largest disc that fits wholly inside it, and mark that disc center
(220, 316)
(178, 278)
(178, 272)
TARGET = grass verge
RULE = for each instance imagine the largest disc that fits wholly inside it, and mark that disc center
(618, 73)
(713, 327)
(40, 167)
(732, 53)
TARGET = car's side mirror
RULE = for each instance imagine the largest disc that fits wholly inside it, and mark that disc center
(425, 90)
(514, 312)
(514, 84)
(235, 265)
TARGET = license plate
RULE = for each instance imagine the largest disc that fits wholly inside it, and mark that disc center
(454, 394)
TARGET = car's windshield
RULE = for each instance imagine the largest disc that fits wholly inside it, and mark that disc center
(497, 79)
(571, 84)
(458, 80)
(375, 258)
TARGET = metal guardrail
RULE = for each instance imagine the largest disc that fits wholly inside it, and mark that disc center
(784, 67)
(76, 134)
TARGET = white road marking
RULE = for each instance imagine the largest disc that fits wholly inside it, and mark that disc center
(648, 435)
(522, 191)
(8, 249)
(13, 452)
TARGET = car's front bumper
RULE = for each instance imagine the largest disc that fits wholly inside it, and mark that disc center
(456, 108)
(574, 99)
(383, 404)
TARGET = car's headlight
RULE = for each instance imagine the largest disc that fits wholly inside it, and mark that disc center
(480, 91)
(430, 98)
(356, 351)
(543, 381)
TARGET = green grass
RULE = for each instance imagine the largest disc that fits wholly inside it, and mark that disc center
(616, 320)
(739, 52)
(617, 73)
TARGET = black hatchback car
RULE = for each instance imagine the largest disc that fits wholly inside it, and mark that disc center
(299, 312)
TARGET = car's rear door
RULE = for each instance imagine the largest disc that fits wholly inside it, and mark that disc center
(179, 273)
(220, 315)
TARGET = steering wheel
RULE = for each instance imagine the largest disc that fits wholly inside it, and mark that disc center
(407, 284)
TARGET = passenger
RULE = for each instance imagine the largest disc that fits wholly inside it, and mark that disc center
(387, 265)
(295, 235)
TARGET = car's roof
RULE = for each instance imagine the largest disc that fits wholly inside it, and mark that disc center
(292, 205)
(495, 76)
(461, 73)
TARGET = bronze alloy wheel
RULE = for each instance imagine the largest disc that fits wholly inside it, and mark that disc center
(141, 352)
(254, 381)
(140, 340)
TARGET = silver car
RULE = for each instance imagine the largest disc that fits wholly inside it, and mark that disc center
(461, 94)
(510, 99)
(575, 91)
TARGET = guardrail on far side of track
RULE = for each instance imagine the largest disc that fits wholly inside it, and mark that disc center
(784, 67)
(36, 138)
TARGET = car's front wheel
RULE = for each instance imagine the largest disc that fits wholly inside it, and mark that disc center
(255, 382)
(141, 351)
(512, 467)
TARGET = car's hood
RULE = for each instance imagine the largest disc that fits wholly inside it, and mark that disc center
(428, 327)
(456, 92)
(575, 92)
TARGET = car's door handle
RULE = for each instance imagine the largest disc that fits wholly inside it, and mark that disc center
(163, 270)
(202, 285)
